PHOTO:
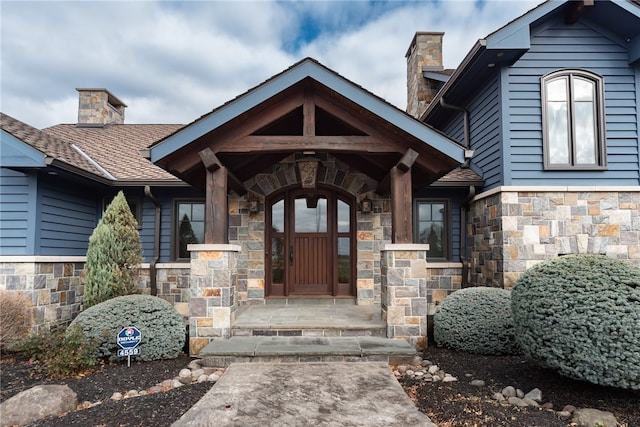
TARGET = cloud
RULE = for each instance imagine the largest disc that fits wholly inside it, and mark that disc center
(172, 62)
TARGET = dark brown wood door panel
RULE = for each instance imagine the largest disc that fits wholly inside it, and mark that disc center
(311, 266)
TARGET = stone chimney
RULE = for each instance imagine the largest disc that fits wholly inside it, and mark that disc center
(99, 107)
(424, 54)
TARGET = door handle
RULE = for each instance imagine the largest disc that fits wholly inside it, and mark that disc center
(291, 255)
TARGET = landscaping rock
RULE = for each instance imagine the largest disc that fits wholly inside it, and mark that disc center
(477, 383)
(534, 394)
(588, 417)
(37, 403)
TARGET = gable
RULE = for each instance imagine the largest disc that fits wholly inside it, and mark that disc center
(16, 153)
(307, 108)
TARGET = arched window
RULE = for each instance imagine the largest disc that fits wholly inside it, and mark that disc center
(573, 120)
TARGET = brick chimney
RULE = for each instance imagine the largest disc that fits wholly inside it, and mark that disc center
(424, 54)
(99, 107)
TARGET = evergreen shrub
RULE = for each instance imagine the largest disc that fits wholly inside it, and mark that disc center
(580, 315)
(161, 326)
(114, 255)
(476, 320)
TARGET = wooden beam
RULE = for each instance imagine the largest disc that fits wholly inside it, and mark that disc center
(215, 226)
(575, 9)
(309, 114)
(288, 143)
(185, 159)
(209, 160)
(401, 204)
(407, 160)
(212, 163)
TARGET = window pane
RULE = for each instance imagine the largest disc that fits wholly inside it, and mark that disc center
(583, 90)
(424, 211)
(344, 217)
(277, 216)
(190, 231)
(197, 213)
(432, 228)
(437, 212)
(585, 133)
(311, 215)
(277, 260)
(344, 260)
(557, 90)
(558, 132)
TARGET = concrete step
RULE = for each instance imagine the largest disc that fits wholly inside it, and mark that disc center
(280, 349)
(309, 331)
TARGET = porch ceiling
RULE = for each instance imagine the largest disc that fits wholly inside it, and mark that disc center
(310, 117)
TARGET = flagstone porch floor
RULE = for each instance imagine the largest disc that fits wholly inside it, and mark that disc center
(313, 318)
(308, 331)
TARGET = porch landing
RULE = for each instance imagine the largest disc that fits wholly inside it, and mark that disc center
(308, 331)
(309, 318)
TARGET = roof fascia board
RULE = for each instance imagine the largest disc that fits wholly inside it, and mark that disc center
(435, 76)
(509, 37)
(519, 38)
(290, 77)
(389, 113)
(227, 112)
(17, 153)
(513, 32)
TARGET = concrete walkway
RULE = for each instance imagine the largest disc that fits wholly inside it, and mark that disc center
(305, 394)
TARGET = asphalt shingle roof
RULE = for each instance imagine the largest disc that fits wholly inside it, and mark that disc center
(49, 145)
(116, 148)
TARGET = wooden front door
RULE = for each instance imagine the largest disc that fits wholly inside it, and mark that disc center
(311, 244)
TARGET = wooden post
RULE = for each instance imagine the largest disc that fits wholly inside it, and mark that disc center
(401, 207)
(215, 226)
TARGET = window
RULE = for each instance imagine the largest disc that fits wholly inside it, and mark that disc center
(188, 226)
(573, 120)
(431, 227)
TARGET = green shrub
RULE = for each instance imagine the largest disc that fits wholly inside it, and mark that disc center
(114, 255)
(580, 315)
(59, 353)
(161, 326)
(15, 317)
(477, 320)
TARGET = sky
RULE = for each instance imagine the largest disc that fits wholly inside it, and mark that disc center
(172, 62)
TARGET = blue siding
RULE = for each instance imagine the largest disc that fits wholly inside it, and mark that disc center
(66, 220)
(166, 197)
(573, 46)
(17, 212)
(485, 130)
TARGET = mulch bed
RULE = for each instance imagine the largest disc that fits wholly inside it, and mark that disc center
(447, 404)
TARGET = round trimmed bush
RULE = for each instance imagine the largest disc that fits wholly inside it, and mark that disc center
(580, 315)
(477, 320)
(161, 326)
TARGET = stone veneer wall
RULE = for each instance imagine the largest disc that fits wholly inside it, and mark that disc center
(513, 228)
(55, 286)
(442, 280)
(246, 229)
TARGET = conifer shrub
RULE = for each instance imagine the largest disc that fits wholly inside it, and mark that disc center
(476, 320)
(580, 315)
(161, 326)
(113, 256)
